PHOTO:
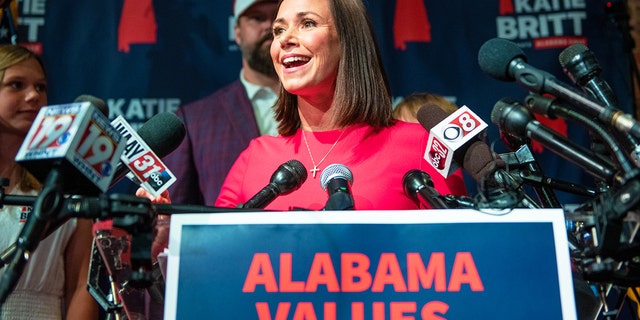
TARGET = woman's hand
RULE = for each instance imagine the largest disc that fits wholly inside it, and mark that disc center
(161, 226)
(162, 198)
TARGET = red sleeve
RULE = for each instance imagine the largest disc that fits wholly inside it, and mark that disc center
(231, 194)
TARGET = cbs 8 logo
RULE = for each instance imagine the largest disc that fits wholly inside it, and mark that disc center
(459, 127)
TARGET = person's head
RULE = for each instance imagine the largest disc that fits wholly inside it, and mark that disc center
(23, 88)
(327, 48)
(253, 34)
(407, 109)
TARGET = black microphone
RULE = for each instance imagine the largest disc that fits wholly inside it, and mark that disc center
(336, 179)
(513, 118)
(163, 133)
(505, 61)
(95, 102)
(418, 186)
(287, 178)
(551, 108)
(582, 67)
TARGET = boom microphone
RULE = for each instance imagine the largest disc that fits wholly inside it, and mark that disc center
(515, 119)
(336, 179)
(582, 67)
(287, 178)
(418, 186)
(505, 61)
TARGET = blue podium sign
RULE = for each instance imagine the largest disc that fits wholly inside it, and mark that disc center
(430, 264)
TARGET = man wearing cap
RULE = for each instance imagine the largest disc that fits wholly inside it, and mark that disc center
(221, 125)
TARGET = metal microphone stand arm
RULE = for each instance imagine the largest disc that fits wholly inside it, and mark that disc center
(47, 207)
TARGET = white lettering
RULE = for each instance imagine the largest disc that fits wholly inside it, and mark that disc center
(32, 24)
(141, 108)
(543, 25)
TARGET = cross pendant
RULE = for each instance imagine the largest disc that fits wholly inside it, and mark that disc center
(314, 170)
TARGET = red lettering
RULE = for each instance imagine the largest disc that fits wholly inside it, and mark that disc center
(304, 311)
(286, 273)
(322, 272)
(355, 266)
(260, 273)
(330, 312)
(378, 311)
(357, 311)
(465, 271)
(398, 309)
(429, 310)
(281, 313)
(435, 272)
(388, 272)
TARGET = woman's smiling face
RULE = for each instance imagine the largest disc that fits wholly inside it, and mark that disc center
(305, 49)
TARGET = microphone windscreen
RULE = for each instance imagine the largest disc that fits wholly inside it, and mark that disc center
(163, 133)
(95, 102)
(334, 171)
(496, 54)
(289, 176)
(430, 115)
(479, 161)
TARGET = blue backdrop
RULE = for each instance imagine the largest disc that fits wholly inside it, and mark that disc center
(149, 56)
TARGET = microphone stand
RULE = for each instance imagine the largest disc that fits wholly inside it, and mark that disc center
(127, 259)
(46, 208)
(523, 158)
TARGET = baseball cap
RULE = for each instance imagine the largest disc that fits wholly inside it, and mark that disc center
(240, 6)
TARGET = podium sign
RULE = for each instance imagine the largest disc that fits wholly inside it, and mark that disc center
(429, 264)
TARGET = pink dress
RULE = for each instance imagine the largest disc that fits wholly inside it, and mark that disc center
(378, 162)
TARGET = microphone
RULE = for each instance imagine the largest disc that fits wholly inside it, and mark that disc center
(477, 159)
(287, 178)
(418, 186)
(474, 156)
(582, 67)
(505, 61)
(163, 133)
(141, 159)
(71, 148)
(449, 137)
(513, 118)
(76, 139)
(95, 102)
(336, 179)
(552, 108)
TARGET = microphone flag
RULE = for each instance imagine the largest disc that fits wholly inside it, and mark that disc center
(77, 136)
(450, 135)
(144, 165)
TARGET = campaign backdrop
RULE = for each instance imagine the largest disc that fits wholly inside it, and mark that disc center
(146, 56)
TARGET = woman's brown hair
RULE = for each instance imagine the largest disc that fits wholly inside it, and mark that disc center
(362, 93)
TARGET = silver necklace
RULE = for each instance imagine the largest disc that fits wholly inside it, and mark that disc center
(315, 169)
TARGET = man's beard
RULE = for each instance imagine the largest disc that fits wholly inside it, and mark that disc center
(259, 58)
